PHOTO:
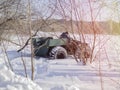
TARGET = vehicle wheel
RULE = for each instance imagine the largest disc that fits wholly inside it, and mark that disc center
(82, 53)
(58, 52)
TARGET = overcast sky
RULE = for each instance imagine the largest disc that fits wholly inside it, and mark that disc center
(103, 9)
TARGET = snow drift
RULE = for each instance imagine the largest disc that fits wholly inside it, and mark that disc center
(11, 81)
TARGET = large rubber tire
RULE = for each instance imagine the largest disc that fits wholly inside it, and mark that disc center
(58, 52)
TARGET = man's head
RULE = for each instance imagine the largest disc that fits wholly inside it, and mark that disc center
(66, 32)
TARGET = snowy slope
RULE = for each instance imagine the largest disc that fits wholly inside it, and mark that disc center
(11, 81)
(65, 74)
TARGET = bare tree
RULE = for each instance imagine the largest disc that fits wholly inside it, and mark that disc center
(10, 10)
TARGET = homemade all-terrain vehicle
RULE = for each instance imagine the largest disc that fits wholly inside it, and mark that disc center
(60, 48)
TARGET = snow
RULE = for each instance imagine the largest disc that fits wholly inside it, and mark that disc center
(11, 81)
(64, 74)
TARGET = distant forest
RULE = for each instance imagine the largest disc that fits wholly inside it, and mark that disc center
(56, 25)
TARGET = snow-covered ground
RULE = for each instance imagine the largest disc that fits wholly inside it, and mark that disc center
(63, 74)
(12, 81)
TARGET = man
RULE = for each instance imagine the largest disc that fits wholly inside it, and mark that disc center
(65, 35)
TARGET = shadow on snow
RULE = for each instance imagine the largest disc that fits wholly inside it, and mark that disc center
(14, 54)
